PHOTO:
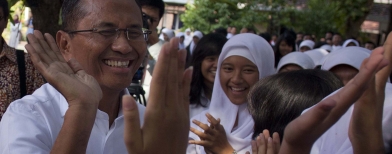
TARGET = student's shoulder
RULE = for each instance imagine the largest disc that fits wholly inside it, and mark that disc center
(44, 99)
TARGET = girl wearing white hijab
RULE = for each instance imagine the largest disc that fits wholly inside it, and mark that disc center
(295, 61)
(306, 45)
(327, 47)
(335, 139)
(345, 62)
(197, 35)
(188, 37)
(350, 42)
(167, 34)
(181, 44)
(245, 59)
(317, 55)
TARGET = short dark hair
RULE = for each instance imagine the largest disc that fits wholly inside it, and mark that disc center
(209, 45)
(276, 100)
(6, 10)
(370, 42)
(72, 11)
(159, 4)
(221, 30)
(266, 36)
(289, 38)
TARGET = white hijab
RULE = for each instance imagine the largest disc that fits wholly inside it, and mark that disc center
(296, 58)
(181, 45)
(168, 32)
(257, 50)
(352, 56)
(326, 47)
(188, 38)
(317, 55)
(350, 41)
(197, 34)
(307, 43)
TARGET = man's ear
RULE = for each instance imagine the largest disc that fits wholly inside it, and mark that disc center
(62, 40)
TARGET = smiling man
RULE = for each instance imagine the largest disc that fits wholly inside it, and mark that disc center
(88, 67)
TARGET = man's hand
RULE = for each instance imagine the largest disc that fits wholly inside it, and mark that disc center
(365, 130)
(166, 120)
(67, 77)
(81, 91)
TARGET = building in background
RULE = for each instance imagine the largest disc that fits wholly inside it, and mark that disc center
(172, 16)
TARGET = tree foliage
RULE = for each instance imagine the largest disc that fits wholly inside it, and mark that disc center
(317, 17)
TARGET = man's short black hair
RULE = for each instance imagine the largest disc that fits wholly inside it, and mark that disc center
(72, 11)
(159, 4)
(6, 11)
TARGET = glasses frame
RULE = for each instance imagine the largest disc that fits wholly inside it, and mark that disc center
(146, 32)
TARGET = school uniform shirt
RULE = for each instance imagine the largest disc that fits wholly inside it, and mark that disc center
(32, 124)
(9, 77)
(197, 109)
(257, 50)
(335, 140)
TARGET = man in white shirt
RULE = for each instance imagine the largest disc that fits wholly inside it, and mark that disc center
(88, 67)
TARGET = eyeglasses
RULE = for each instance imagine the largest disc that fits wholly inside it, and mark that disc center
(130, 33)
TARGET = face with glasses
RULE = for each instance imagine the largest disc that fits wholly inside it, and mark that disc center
(109, 42)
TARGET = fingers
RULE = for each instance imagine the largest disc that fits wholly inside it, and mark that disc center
(132, 133)
(53, 46)
(261, 144)
(388, 56)
(270, 146)
(75, 66)
(214, 123)
(44, 45)
(202, 135)
(159, 80)
(254, 146)
(186, 88)
(200, 124)
(204, 143)
(266, 133)
(34, 41)
(174, 75)
(276, 142)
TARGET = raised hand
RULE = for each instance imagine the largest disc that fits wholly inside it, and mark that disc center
(213, 139)
(264, 144)
(301, 133)
(66, 76)
(166, 119)
(365, 132)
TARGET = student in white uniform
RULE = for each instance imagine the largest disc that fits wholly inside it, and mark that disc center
(245, 59)
(204, 62)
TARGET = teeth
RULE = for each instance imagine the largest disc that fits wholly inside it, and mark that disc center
(114, 63)
(214, 72)
(237, 89)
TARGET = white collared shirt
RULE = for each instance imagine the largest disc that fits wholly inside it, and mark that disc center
(31, 125)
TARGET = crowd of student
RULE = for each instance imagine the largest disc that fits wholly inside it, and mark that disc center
(222, 92)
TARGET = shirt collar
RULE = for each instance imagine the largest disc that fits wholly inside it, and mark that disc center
(64, 104)
(8, 52)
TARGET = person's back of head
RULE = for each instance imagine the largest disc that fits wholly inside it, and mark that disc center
(158, 4)
(276, 100)
(266, 36)
(221, 30)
